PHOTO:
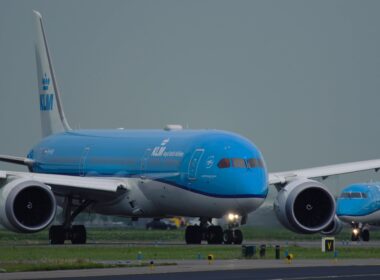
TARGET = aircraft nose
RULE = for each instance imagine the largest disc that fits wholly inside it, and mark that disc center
(351, 207)
(251, 189)
(252, 199)
(256, 182)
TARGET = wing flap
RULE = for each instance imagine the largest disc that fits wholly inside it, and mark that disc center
(323, 171)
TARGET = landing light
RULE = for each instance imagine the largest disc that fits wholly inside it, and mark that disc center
(232, 217)
(355, 231)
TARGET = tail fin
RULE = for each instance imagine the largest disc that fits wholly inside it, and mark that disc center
(53, 118)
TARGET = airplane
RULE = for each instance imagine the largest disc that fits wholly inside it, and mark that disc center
(359, 205)
(158, 173)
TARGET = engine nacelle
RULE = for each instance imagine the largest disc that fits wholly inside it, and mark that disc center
(334, 228)
(305, 206)
(26, 205)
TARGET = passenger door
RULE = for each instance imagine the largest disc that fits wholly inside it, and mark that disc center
(82, 165)
(194, 163)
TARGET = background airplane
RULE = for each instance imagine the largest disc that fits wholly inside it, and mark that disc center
(359, 205)
(153, 173)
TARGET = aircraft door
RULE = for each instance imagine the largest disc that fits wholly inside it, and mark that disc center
(194, 163)
(82, 164)
(144, 162)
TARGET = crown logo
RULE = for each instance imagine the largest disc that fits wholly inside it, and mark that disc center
(45, 82)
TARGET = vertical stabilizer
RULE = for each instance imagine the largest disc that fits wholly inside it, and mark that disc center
(53, 118)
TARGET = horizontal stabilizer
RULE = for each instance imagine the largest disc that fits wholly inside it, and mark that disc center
(17, 160)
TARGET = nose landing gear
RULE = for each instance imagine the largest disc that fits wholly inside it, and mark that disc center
(234, 236)
(360, 231)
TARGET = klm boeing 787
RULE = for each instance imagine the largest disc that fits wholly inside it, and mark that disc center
(152, 173)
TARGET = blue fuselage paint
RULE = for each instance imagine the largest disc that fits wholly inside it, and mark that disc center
(359, 202)
(186, 159)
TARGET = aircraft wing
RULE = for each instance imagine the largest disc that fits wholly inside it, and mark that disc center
(94, 188)
(323, 171)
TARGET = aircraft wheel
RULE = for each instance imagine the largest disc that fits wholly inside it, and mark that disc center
(57, 235)
(228, 236)
(78, 234)
(193, 235)
(189, 234)
(238, 236)
(365, 235)
(214, 235)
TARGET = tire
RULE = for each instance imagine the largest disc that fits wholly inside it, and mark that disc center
(78, 234)
(57, 235)
(238, 236)
(228, 236)
(365, 235)
(193, 235)
(214, 235)
(189, 235)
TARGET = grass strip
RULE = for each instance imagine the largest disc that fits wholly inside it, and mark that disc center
(132, 234)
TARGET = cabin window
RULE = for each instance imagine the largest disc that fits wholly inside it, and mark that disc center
(254, 162)
(238, 163)
(224, 163)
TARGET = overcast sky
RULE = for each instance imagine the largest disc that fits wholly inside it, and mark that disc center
(298, 78)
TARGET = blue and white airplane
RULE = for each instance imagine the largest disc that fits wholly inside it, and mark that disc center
(153, 173)
(359, 205)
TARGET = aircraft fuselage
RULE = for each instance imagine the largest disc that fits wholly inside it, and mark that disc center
(181, 172)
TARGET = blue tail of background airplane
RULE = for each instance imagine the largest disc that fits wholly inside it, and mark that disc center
(53, 118)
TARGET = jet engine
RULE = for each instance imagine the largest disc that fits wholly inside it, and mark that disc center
(26, 205)
(305, 206)
(334, 228)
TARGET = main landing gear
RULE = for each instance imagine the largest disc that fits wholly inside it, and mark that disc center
(213, 234)
(76, 233)
(359, 232)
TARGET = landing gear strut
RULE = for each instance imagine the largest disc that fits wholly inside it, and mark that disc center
(76, 233)
(213, 234)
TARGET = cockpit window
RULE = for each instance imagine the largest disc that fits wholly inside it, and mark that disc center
(354, 195)
(254, 162)
(238, 162)
(224, 163)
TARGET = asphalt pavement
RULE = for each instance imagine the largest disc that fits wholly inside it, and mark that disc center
(223, 269)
